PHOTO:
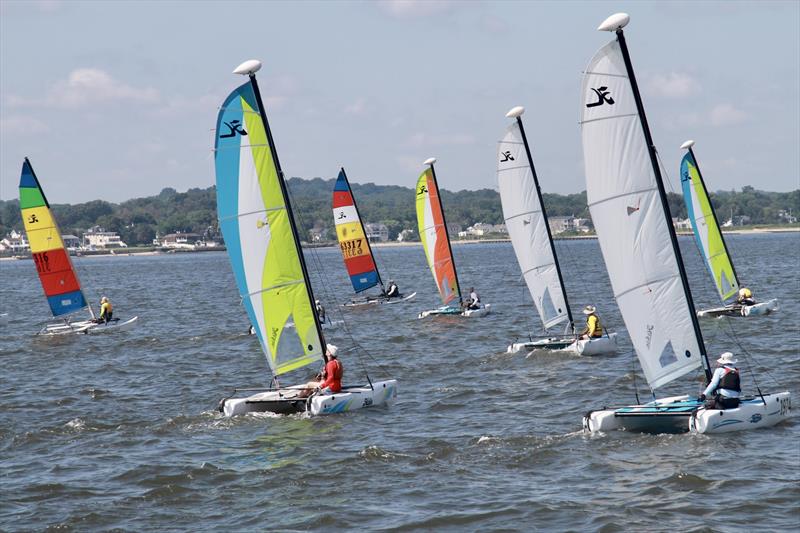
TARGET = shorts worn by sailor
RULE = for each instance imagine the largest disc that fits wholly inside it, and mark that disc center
(722, 402)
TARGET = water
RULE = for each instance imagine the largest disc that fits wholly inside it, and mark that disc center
(121, 432)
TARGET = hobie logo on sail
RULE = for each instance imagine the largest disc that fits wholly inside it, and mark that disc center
(32, 219)
(422, 190)
(506, 156)
(603, 97)
(235, 127)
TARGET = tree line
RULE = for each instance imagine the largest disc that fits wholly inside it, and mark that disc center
(139, 220)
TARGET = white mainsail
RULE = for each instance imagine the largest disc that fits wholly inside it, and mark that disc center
(631, 224)
(527, 227)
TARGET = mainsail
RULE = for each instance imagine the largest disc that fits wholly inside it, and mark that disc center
(256, 223)
(706, 229)
(59, 280)
(630, 216)
(527, 227)
(353, 241)
(433, 234)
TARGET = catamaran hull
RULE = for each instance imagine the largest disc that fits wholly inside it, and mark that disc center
(679, 414)
(287, 401)
(601, 346)
(66, 328)
(379, 300)
(760, 309)
(456, 311)
(113, 326)
(751, 414)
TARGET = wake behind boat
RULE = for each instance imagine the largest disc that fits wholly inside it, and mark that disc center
(255, 216)
(60, 282)
(628, 204)
(436, 242)
(526, 219)
(712, 245)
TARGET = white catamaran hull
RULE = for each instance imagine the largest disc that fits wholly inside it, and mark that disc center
(379, 300)
(679, 414)
(759, 309)
(456, 311)
(113, 326)
(602, 346)
(288, 400)
(87, 326)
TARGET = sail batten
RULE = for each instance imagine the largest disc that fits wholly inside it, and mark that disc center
(255, 222)
(434, 237)
(630, 217)
(60, 282)
(352, 237)
(526, 221)
(706, 229)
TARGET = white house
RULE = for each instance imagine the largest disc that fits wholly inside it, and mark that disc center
(97, 237)
(71, 242)
(377, 232)
(180, 240)
(14, 242)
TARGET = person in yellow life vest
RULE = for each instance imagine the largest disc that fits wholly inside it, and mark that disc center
(593, 328)
(106, 310)
(745, 297)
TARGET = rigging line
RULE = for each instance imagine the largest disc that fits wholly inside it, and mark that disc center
(747, 354)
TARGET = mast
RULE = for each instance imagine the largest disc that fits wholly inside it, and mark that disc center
(430, 163)
(616, 24)
(688, 145)
(363, 229)
(66, 252)
(517, 113)
(250, 69)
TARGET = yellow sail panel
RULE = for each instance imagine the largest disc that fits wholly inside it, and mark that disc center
(43, 234)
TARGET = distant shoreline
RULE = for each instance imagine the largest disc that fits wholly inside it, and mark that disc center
(145, 251)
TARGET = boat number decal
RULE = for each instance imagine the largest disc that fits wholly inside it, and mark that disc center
(786, 405)
(352, 248)
(367, 402)
(42, 262)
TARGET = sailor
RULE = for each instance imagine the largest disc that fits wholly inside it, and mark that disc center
(724, 385)
(745, 297)
(106, 310)
(333, 373)
(320, 311)
(593, 328)
(393, 291)
(474, 301)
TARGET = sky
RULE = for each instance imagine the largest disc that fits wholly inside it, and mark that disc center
(115, 100)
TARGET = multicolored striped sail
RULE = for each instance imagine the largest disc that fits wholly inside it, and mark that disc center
(59, 280)
(706, 229)
(353, 241)
(433, 234)
(255, 222)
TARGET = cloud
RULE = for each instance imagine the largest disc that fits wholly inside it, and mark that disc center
(406, 9)
(22, 126)
(727, 115)
(422, 140)
(86, 87)
(675, 85)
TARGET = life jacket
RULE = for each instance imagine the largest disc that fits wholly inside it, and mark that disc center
(106, 308)
(598, 329)
(334, 371)
(730, 380)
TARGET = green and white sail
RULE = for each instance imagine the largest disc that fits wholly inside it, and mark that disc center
(706, 228)
(256, 223)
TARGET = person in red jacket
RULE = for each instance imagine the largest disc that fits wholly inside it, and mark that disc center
(332, 377)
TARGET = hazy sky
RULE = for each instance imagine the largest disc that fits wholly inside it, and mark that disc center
(115, 100)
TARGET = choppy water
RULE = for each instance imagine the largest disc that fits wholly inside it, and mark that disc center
(121, 432)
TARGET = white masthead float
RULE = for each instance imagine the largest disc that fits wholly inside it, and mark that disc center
(255, 216)
(628, 204)
(436, 242)
(526, 220)
(711, 243)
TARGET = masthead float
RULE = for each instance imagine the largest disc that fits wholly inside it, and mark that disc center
(526, 219)
(255, 216)
(628, 204)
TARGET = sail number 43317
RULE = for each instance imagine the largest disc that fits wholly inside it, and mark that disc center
(352, 248)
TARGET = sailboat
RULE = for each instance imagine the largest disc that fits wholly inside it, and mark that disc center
(629, 208)
(711, 242)
(436, 242)
(255, 216)
(526, 220)
(60, 282)
(355, 246)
